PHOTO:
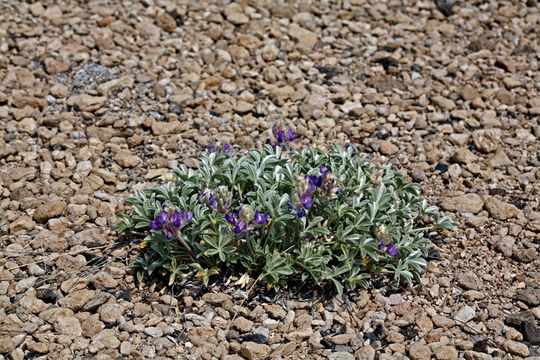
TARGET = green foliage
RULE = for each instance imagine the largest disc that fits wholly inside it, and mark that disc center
(342, 237)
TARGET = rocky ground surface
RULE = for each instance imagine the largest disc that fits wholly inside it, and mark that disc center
(99, 99)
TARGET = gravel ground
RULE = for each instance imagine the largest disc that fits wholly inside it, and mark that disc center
(98, 99)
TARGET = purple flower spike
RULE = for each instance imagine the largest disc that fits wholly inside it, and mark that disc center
(230, 219)
(176, 219)
(162, 218)
(392, 250)
(381, 246)
(306, 201)
(291, 135)
(260, 218)
(280, 136)
(227, 148)
(155, 226)
(301, 213)
(240, 227)
(211, 149)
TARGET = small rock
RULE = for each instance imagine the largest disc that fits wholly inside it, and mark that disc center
(500, 210)
(166, 22)
(110, 313)
(341, 355)
(153, 332)
(525, 255)
(530, 332)
(419, 351)
(463, 156)
(216, 298)
(50, 209)
(446, 352)
(243, 324)
(516, 348)
(487, 140)
(253, 351)
(69, 326)
(165, 128)
(465, 314)
(103, 280)
(387, 148)
(276, 311)
(468, 202)
(469, 280)
(125, 158)
(475, 355)
(25, 284)
(87, 103)
(418, 175)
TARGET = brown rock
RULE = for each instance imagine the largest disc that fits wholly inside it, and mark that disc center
(419, 351)
(500, 210)
(68, 325)
(87, 103)
(468, 202)
(125, 158)
(487, 140)
(55, 66)
(387, 148)
(166, 22)
(253, 351)
(49, 210)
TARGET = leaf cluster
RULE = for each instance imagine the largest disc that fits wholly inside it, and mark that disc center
(335, 241)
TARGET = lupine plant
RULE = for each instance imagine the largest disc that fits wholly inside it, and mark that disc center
(274, 214)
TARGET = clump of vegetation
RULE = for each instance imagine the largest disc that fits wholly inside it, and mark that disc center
(320, 215)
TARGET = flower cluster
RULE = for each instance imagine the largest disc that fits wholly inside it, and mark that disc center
(171, 221)
(327, 184)
(218, 199)
(282, 137)
(217, 148)
(385, 241)
(243, 217)
(302, 198)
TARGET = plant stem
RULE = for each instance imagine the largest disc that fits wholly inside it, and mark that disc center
(248, 242)
(192, 255)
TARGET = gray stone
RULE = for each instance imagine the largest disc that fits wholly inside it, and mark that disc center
(465, 314)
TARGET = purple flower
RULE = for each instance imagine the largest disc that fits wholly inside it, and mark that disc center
(240, 227)
(187, 216)
(301, 213)
(212, 201)
(155, 226)
(162, 218)
(324, 170)
(171, 222)
(305, 200)
(176, 219)
(392, 250)
(381, 245)
(311, 184)
(260, 218)
(291, 135)
(280, 136)
(231, 219)
(317, 180)
(212, 149)
(170, 232)
(227, 148)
